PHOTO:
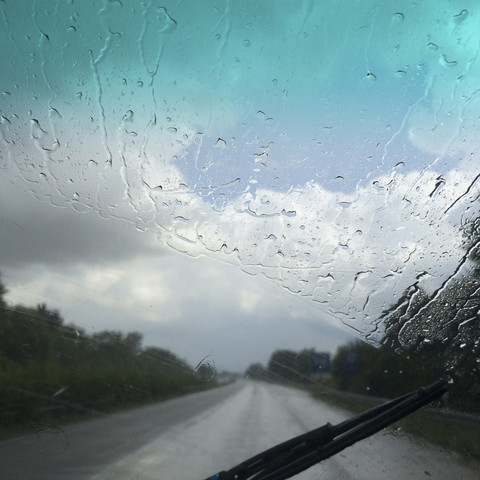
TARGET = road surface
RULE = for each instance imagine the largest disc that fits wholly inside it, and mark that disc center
(195, 436)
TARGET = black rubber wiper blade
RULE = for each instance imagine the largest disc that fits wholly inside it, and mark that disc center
(299, 453)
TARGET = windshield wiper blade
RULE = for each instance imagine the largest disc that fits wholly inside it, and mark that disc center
(299, 453)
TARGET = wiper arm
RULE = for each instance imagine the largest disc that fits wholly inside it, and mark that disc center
(299, 453)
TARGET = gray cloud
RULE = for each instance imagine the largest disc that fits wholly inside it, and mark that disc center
(104, 274)
(34, 231)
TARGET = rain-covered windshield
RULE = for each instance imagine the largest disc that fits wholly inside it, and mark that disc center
(229, 186)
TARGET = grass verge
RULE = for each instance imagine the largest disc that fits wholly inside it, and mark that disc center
(443, 430)
(54, 416)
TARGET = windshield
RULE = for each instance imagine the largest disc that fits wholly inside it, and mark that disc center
(227, 201)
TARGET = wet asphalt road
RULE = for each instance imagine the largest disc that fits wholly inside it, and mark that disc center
(195, 436)
(78, 451)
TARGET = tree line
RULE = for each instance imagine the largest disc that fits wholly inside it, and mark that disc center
(377, 371)
(289, 366)
(48, 367)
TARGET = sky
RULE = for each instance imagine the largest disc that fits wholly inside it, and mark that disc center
(229, 178)
(105, 274)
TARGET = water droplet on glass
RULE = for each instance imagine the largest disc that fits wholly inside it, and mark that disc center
(128, 117)
(447, 63)
(460, 17)
(205, 370)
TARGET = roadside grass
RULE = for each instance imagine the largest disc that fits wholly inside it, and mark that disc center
(52, 416)
(441, 429)
(446, 433)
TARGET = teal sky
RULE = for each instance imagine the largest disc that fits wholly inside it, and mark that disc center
(330, 148)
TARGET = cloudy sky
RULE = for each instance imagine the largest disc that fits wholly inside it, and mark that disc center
(105, 274)
(231, 178)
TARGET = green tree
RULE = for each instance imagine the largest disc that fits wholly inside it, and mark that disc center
(281, 366)
(290, 366)
(378, 371)
(256, 371)
(46, 363)
(160, 359)
(3, 292)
